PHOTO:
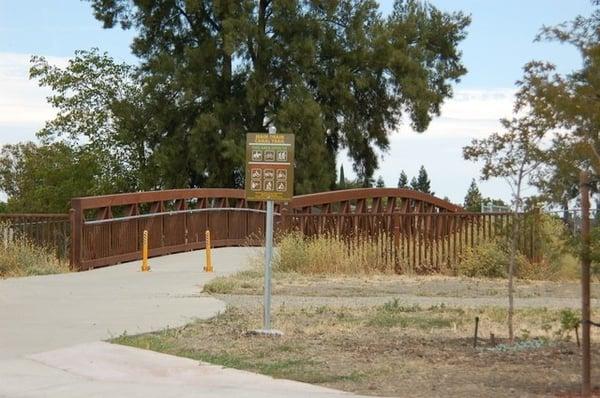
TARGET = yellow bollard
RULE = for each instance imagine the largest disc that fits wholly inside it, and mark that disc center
(208, 267)
(145, 266)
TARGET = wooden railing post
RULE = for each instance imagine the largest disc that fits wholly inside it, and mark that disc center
(397, 242)
(76, 218)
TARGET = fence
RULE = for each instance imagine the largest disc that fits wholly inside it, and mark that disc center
(424, 232)
(421, 242)
(49, 230)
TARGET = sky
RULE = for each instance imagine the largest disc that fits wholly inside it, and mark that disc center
(500, 41)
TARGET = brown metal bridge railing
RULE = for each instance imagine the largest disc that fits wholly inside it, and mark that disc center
(48, 230)
(424, 231)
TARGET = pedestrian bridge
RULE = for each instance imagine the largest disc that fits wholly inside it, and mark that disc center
(107, 230)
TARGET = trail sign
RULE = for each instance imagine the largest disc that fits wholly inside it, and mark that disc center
(269, 167)
(270, 178)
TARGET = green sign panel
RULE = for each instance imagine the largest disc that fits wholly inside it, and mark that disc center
(269, 167)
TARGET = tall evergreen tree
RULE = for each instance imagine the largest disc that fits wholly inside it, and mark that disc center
(414, 184)
(380, 183)
(473, 198)
(422, 182)
(403, 180)
(342, 183)
(335, 73)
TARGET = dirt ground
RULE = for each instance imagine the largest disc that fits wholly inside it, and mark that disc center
(293, 284)
(393, 349)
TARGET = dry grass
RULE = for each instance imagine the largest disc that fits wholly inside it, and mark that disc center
(330, 254)
(323, 285)
(389, 350)
(359, 255)
(20, 257)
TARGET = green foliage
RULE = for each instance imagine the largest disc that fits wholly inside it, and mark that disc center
(403, 180)
(594, 250)
(473, 198)
(337, 74)
(421, 182)
(380, 183)
(489, 259)
(552, 239)
(44, 178)
(568, 104)
(393, 314)
(569, 320)
(100, 111)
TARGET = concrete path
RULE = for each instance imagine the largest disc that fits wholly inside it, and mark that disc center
(51, 328)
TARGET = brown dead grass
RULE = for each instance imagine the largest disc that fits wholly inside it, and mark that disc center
(389, 350)
(297, 284)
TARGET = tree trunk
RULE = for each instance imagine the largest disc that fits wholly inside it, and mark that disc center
(513, 260)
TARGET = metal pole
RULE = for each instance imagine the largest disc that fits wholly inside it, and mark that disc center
(268, 257)
(586, 387)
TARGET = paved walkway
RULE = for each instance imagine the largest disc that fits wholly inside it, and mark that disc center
(51, 328)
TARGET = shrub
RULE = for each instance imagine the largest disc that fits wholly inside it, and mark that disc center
(20, 257)
(485, 260)
(490, 260)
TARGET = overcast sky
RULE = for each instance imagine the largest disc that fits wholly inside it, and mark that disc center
(500, 42)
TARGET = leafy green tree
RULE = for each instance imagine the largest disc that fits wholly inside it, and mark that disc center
(569, 105)
(335, 73)
(403, 180)
(100, 108)
(422, 182)
(44, 178)
(473, 198)
(380, 182)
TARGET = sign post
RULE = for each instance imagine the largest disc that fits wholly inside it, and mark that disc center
(270, 178)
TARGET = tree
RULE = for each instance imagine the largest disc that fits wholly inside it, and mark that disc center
(570, 105)
(342, 183)
(473, 199)
(403, 180)
(100, 108)
(495, 205)
(44, 178)
(380, 183)
(335, 73)
(514, 155)
(422, 182)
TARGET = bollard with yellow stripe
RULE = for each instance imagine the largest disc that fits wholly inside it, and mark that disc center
(145, 265)
(208, 264)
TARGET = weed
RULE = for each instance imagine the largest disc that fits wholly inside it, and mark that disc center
(21, 257)
(330, 254)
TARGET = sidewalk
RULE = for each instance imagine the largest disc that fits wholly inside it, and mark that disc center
(52, 327)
